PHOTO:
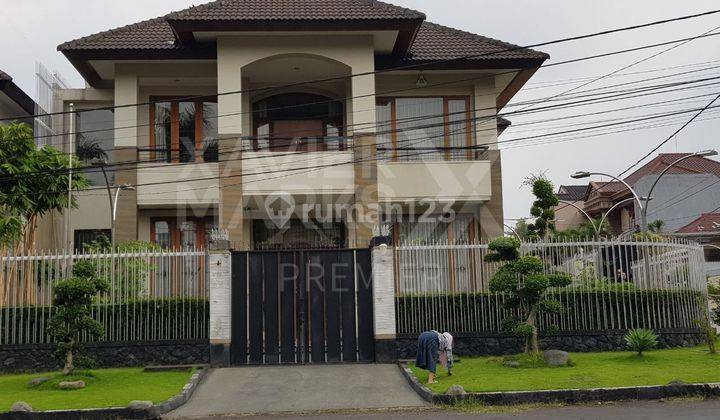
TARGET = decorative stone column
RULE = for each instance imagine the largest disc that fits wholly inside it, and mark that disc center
(365, 216)
(127, 131)
(491, 212)
(219, 280)
(383, 269)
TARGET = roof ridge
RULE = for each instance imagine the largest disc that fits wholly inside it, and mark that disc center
(474, 36)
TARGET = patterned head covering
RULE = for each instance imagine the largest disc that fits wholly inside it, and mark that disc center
(449, 339)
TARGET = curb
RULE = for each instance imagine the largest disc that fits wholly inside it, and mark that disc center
(568, 396)
(153, 412)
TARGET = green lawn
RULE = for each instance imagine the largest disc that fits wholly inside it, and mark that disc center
(590, 370)
(104, 388)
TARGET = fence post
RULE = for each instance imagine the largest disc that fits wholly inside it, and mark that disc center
(383, 270)
(219, 266)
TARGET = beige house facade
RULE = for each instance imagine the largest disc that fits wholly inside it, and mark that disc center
(289, 125)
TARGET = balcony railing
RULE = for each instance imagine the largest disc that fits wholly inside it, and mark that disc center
(298, 144)
(207, 153)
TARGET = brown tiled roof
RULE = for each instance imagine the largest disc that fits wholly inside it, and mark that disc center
(4, 76)
(151, 34)
(433, 42)
(571, 192)
(707, 223)
(437, 42)
(693, 165)
(296, 10)
(158, 34)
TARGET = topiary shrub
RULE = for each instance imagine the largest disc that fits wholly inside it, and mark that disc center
(523, 281)
(72, 299)
(640, 340)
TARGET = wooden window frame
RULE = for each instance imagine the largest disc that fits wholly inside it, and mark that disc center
(175, 233)
(446, 121)
(175, 126)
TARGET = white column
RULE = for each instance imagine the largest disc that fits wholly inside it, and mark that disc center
(219, 282)
(485, 113)
(383, 271)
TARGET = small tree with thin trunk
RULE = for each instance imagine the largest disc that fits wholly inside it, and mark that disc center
(72, 320)
(523, 281)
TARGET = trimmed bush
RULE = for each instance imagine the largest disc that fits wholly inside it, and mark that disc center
(581, 311)
(136, 320)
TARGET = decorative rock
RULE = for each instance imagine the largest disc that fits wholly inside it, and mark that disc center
(72, 385)
(38, 381)
(21, 406)
(556, 357)
(140, 405)
(512, 363)
(455, 390)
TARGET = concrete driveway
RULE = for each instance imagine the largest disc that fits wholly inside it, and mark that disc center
(276, 389)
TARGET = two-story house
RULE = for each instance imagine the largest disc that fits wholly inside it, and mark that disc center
(292, 124)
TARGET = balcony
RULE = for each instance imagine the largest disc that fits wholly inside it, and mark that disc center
(436, 173)
(298, 166)
(164, 181)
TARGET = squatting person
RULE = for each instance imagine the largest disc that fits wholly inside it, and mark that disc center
(434, 347)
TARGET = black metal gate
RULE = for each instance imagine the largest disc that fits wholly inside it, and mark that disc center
(309, 306)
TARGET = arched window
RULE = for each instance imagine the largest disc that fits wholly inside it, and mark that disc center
(298, 121)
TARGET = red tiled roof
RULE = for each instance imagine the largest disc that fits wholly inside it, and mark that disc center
(707, 223)
(693, 165)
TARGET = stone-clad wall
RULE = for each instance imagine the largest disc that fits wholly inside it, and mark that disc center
(37, 358)
(578, 341)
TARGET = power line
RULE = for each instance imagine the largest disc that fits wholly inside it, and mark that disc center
(405, 67)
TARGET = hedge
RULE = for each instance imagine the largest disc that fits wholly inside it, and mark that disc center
(582, 311)
(136, 320)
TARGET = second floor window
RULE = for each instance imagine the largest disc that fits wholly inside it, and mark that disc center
(95, 140)
(183, 131)
(424, 128)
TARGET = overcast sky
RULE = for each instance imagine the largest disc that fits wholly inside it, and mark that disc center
(30, 30)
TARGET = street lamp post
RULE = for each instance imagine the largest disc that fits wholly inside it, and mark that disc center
(643, 222)
(702, 153)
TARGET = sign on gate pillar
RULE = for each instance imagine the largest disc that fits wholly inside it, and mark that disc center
(383, 269)
(219, 275)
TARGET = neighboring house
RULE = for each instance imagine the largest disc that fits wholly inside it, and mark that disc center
(14, 102)
(603, 197)
(568, 216)
(688, 190)
(705, 230)
(294, 106)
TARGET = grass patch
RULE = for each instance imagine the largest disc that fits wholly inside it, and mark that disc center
(588, 370)
(104, 388)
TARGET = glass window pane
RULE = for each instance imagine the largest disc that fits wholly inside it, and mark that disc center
(420, 143)
(163, 235)
(162, 131)
(458, 128)
(383, 115)
(210, 132)
(95, 140)
(187, 112)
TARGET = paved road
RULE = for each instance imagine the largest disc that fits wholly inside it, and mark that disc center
(264, 389)
(695, 410)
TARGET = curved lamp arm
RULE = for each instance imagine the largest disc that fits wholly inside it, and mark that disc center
(592, 222)
(618, 204)
(512, 229)
(664, 171)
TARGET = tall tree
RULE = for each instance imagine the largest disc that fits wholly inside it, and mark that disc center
(33, 182)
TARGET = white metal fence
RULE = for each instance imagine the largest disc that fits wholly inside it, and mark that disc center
(616, 285)
(153, 295)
